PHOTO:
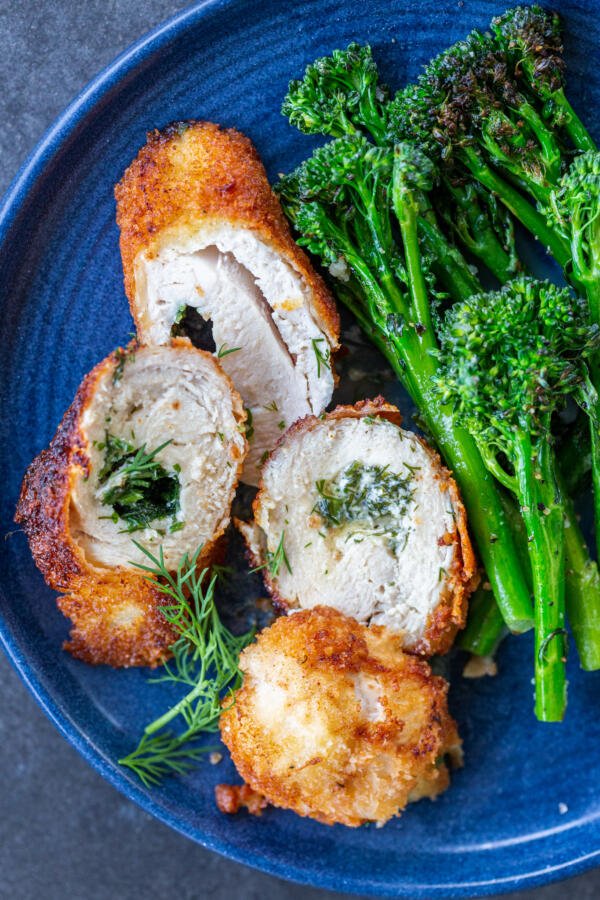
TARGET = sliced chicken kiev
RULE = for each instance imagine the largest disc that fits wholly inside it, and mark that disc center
(335, 722)
(208, 253)
(150, 450)
(357, 513)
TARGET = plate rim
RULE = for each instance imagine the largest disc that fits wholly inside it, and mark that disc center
(82, 106)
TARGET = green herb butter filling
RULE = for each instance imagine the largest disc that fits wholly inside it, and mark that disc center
(136, 486)
(371, 497)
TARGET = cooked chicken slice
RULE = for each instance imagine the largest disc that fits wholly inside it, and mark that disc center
(150, 450)
(335, 722)
(355, 512)
(203, 240)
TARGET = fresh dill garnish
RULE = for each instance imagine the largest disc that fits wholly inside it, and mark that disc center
(323, 358)
(264, 457)
(373, 496)
(205, 663)
(225, 351)
(276, 559)
(272, 406)
(281, 425)
(137, 487)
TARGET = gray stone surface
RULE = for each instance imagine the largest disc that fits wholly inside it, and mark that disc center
(64, 832)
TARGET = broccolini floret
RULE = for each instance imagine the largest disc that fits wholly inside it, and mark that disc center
(472, 119)
(336, 93)
(532, 41)
(341, 95)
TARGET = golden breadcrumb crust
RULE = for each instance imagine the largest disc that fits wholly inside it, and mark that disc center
(193, 172)
(115, 612)
(304, 731)
(450, 614)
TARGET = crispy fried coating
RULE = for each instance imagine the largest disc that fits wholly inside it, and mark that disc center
(336, 722)
(197, 171)
(115, 611)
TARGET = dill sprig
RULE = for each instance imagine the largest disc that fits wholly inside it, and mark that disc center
(276, 559)
(205, 661)
(323, 358)
(224, 350)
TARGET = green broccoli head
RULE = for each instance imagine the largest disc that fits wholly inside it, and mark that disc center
(575, 210)
(339, 200)
(413, 170)
(338, 95)
(509, 358)
(343, 165)
(466, 97)
(531, 38)
(411, 116)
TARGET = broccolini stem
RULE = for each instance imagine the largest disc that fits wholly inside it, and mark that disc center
(486, 515)
(573, 124)
(595, 457)
(534, 221)
(550, 150)
(485, 629)
(406, 210)
(479, 237)
(582, 590)
(574, 457)
(485, 626)
(449, 265)
(542, 511)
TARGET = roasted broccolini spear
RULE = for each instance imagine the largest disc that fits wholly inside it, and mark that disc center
(508, 361)
(532, 41)
(574, 207)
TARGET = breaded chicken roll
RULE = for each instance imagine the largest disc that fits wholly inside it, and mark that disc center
(357, 513)
(335, 722)
(207, 252)
(150, 450)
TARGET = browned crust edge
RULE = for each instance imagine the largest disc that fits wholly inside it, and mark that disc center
(94, 597)
(450, 614)
(196, 171)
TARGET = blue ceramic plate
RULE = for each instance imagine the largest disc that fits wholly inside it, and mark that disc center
(525, 809)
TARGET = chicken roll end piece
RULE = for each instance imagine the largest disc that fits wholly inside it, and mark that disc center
(335, 722)
(149, 453)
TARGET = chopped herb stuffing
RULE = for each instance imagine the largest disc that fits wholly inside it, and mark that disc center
(137, 487)
(370, 496)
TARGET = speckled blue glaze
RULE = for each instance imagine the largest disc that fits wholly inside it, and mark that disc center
(63, 308)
